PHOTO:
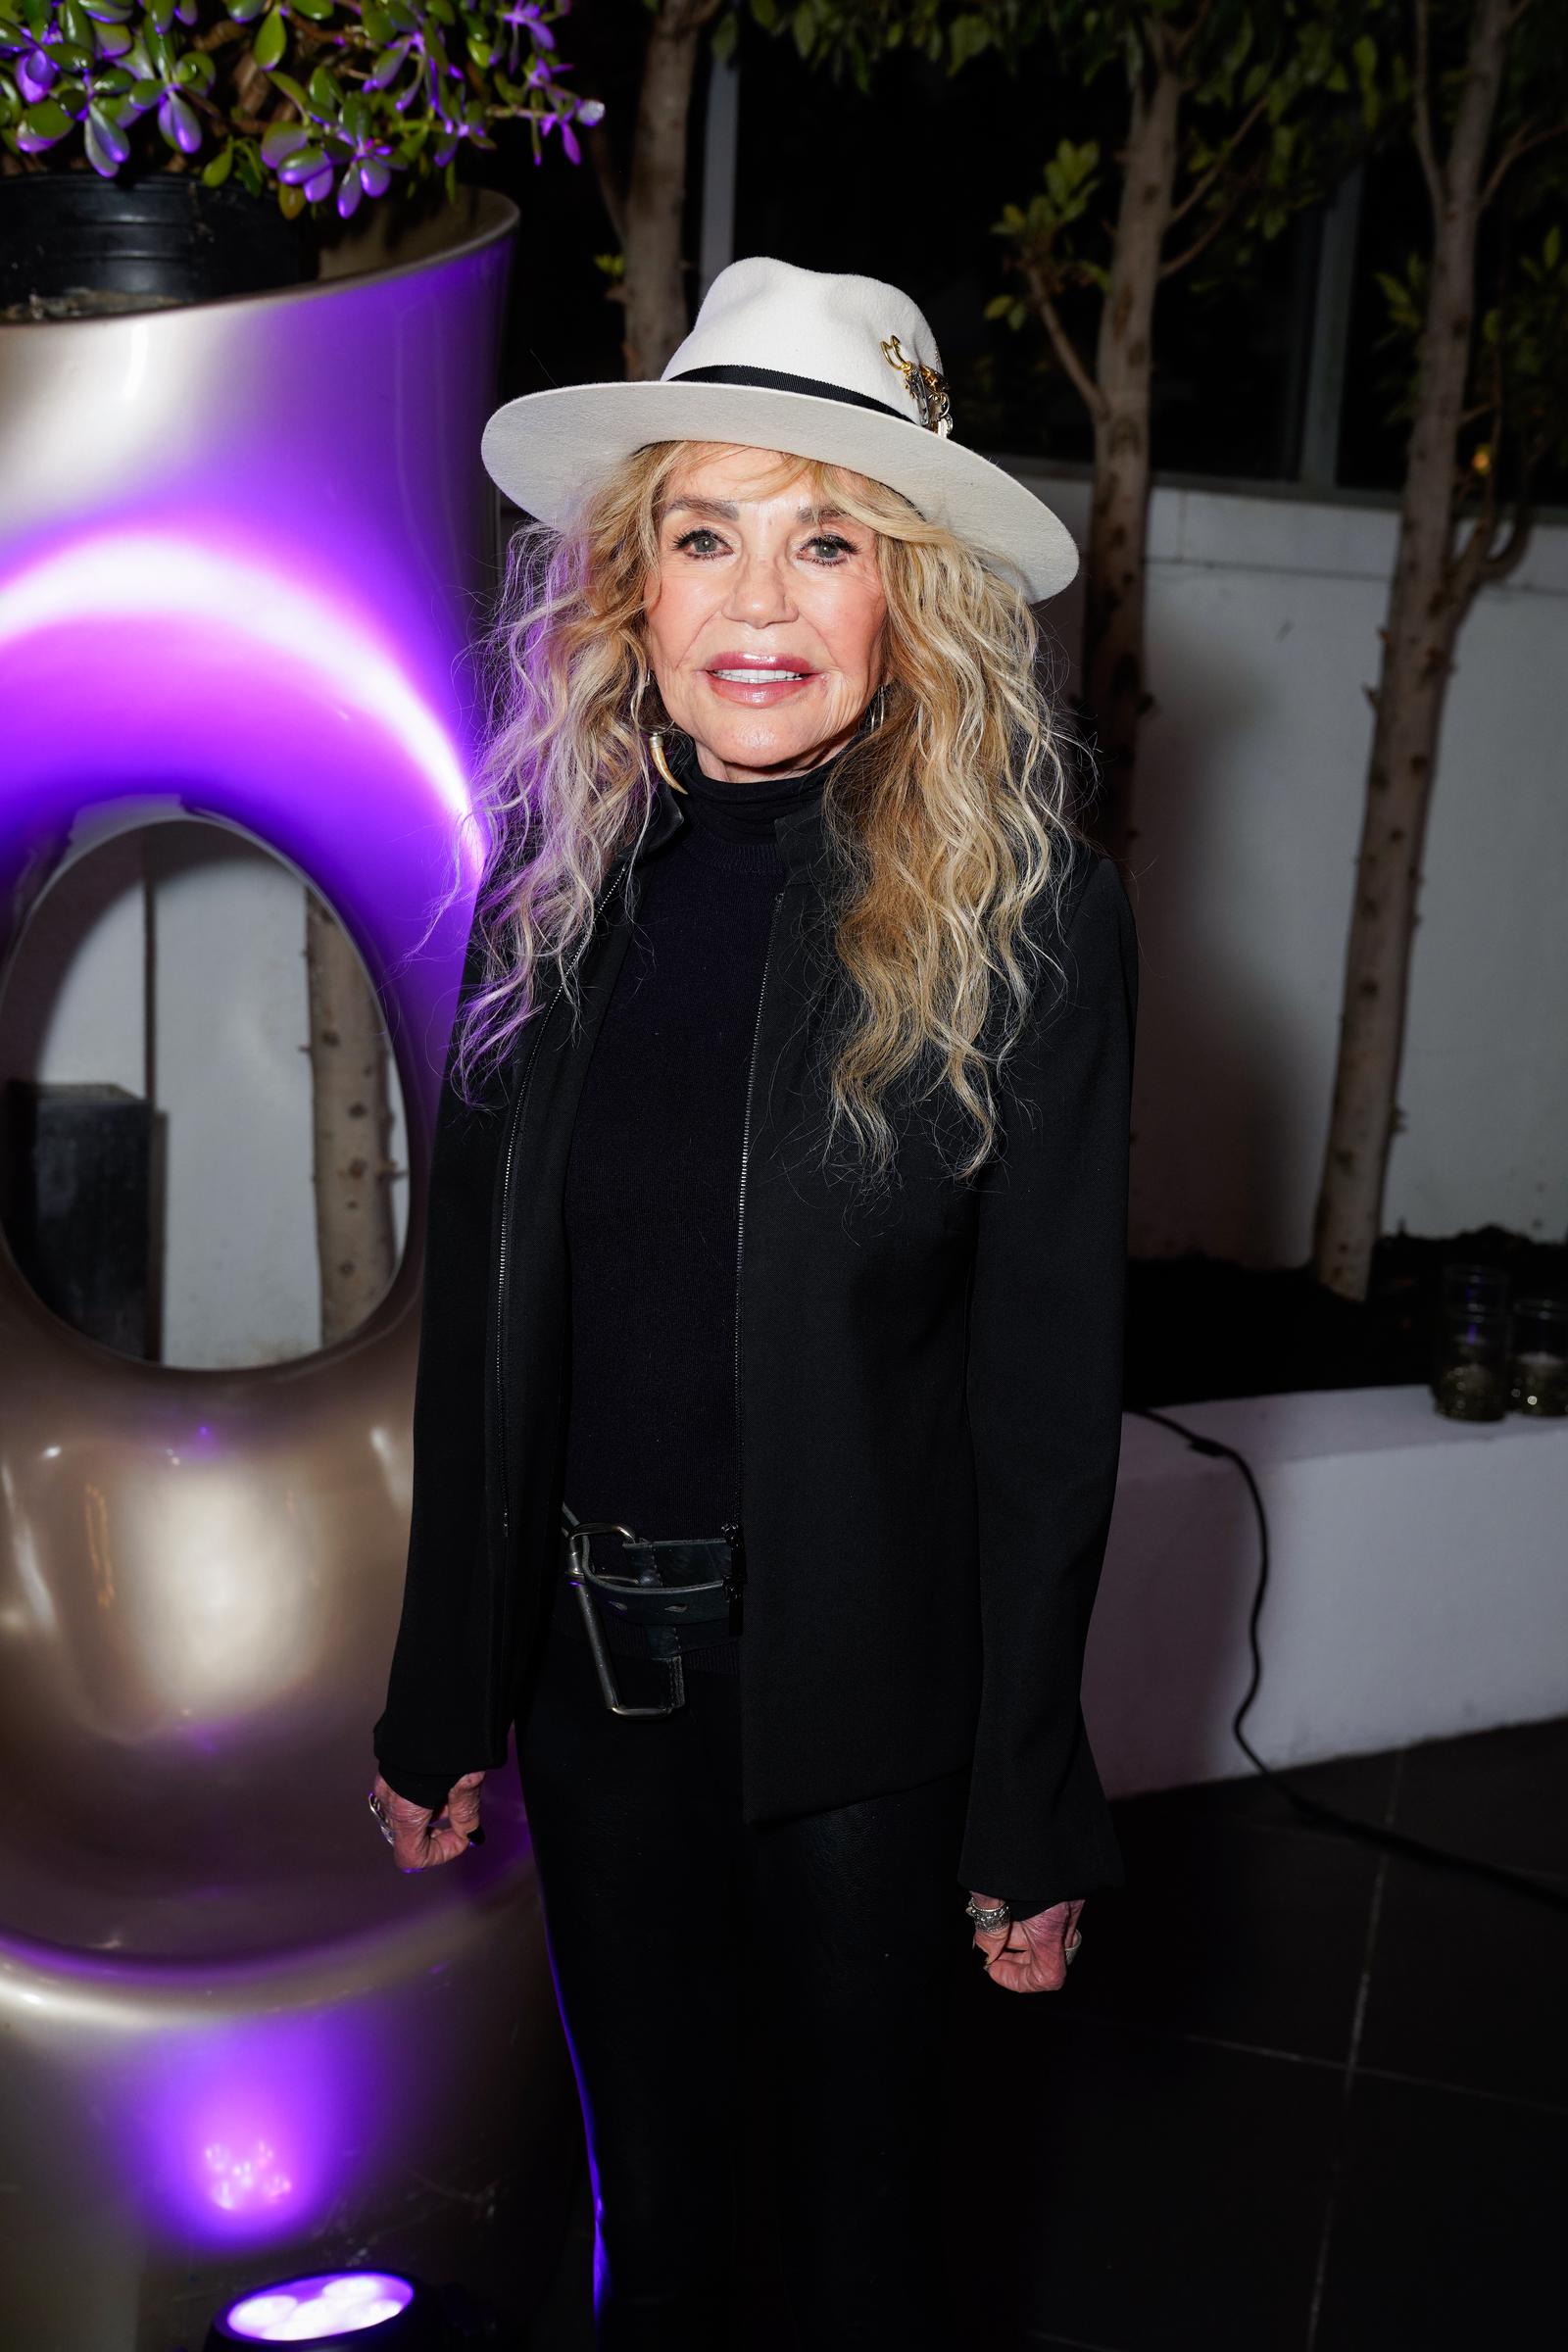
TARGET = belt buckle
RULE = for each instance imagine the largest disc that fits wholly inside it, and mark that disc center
(577, 1577)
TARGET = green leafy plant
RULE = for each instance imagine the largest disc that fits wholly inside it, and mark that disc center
(324, 101)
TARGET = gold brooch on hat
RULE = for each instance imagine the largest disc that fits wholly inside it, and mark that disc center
(930, 389)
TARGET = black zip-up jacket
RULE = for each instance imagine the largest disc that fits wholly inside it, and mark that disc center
(928, 1398)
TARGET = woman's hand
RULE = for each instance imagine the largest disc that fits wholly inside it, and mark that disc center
(1029, 1955)
(420, 1841)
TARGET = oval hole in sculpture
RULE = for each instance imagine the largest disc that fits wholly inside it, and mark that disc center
(165, 1085)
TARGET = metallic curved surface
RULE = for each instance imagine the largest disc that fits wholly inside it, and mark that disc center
(239, 550)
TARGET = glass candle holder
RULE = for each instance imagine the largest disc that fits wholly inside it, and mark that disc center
(1470, 1334)
(1470, 1378)
(1538, 1360)
(1473, 1282)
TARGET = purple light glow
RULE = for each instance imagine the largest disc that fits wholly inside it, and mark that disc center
(246, 2128)
(211, 671)
(240, 547)
(229, 610)
(330, 2303)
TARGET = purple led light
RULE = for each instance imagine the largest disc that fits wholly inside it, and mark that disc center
(240, 2128)
(312, 2310)
(245, 2175)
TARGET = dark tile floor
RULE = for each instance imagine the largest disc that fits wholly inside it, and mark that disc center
(1298, 2095)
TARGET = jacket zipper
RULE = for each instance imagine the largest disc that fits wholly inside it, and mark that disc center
(734, 1529)
(514, 1122)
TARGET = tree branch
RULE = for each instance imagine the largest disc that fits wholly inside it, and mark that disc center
(1424, 147)
(612, 186)
(1061, 343)
(1195, 195)
(1468, 571)
(1500, 560)
(690, 16)
(1484, 57)
(1177, 44)
(1517, 146)
(1221, 219)
(1465, 571)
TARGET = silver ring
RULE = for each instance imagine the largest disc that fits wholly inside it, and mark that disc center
(383, 1822)
(989, 1916)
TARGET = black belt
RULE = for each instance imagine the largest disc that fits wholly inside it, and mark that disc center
(665, 1595)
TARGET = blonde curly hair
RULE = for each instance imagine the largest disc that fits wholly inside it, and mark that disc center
(949, 820)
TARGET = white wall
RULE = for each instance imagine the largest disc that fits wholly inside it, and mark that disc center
(1264, 613)
(230, 1071)
(240, 1283)
(1263, 620)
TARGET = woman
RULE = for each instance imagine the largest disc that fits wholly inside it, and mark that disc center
(768, 1403)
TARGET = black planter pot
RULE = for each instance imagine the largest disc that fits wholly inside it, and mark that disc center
(70, 241)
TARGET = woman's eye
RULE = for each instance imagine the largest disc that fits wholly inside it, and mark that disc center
(826, 548)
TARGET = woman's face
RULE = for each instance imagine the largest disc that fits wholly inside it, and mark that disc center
(764, 620)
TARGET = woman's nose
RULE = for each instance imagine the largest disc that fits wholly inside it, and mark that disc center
(759, 591)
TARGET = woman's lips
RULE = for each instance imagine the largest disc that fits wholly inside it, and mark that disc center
(758, 684)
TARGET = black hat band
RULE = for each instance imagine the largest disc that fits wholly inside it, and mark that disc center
(771, 379)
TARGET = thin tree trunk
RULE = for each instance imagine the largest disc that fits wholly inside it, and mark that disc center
(1431, 590)
(654, 291)
(350, 1115)
(1114, 609)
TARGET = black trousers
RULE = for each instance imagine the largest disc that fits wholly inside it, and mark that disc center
(744, 2005)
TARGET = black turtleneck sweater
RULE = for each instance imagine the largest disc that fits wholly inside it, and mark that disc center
(653, 1178)
(652, 1198)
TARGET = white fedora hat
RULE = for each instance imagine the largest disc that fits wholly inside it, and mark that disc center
(842, 368)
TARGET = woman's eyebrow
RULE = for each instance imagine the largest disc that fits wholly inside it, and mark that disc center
(725, 508)
(728, 511)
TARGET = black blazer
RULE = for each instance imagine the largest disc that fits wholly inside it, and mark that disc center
(928, 1383)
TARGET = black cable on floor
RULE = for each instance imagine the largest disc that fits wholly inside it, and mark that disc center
(1371, 1832)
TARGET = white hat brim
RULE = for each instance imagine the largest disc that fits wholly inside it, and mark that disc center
(543, 449)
